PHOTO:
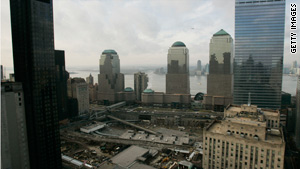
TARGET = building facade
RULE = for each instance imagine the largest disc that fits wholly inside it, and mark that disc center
(127, 95)
(14, 144)
(93, 92)
(140, 84)
(244, 139)
(199, 68)
(297, 129)
(34, 67)
(62, 77)
(177, 77)
(1, 72)
(110, 80)
(259, 44)
(78, 89)
(220, 77)
(160, 99)
(90, 80)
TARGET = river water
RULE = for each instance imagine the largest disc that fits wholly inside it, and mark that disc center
(197, 83)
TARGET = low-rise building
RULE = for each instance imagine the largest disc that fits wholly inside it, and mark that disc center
(149, 97)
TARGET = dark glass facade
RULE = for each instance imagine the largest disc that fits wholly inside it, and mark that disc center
(34, 67)
(259, 42)
(62, 77)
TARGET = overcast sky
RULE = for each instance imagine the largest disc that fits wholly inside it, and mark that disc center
(140, 31)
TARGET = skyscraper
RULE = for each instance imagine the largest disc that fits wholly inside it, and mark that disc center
(220, 78)
(1, 67)
(14, 145)
(110, 79)
(199, 65)
(140, 84)
(90, 80)
(61, 84)
(177, 77)
(34, 67)
(259, 42)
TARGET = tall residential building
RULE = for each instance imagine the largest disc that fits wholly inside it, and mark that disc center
(220, 77)
(34, 67)
(247, 137)
(259, 42)
(297, 129)
(14, 145)
(140, 84)
(177, 77)
(110, 80)
(79, 89)
(62, 77)
(90, 79)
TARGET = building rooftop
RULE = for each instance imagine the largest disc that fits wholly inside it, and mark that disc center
(77, 80)
(128, 89)
(109, 51)
(178, 44)
(251, 110)
(273, 136)
(148, 91)
(221, 33)
(129, 156)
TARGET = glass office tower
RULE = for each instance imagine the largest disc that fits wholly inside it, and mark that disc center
(259, 43)
(34, 67)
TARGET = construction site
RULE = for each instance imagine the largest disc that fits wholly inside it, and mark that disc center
(120, 136)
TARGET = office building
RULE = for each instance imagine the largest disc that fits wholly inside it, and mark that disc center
(199, 68)
(140, 84)
(244, 139)
(110, 80)
(259, 44)
(177, 81)
(12, 77)
(297, 129)
(78, 89)
(90, 80)
(34, 67)
(14, 145)
(177, 77)
(127, 95)
(199, 65)
(2, 77)
(294, 64)
(93, 92)
(206, 69)
(294, 68)
(61, 84)
(220, 77)
(161, 99)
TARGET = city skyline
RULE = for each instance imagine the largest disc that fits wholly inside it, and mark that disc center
(142, 30)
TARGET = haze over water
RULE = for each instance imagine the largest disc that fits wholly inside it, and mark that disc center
(197, 83)
(158, 82)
